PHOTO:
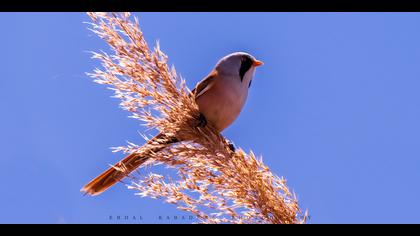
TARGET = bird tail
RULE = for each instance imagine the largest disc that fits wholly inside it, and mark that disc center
(120, 170)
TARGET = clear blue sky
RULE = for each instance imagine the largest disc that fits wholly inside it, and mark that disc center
(335, 109)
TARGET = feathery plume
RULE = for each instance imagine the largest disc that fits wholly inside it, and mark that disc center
(213, 182)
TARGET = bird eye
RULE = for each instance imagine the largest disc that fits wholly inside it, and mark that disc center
(246, 64)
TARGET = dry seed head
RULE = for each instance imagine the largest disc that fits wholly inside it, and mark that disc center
(232, 187)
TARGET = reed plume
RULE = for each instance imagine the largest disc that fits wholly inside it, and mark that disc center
(213, 182)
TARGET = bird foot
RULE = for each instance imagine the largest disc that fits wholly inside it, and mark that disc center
(231, 145)
(202, 121)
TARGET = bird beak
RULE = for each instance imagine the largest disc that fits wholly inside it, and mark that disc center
(257, 63)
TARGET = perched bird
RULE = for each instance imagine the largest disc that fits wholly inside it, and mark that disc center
(220, 97)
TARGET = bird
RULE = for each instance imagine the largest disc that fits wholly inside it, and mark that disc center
(220, 97)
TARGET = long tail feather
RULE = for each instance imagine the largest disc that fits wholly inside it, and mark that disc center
(120, 170)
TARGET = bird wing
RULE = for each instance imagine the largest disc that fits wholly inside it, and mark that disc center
(204, 85)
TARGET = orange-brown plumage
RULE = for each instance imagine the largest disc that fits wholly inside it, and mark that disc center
(220, 97)
(124, 167)
(114, 174)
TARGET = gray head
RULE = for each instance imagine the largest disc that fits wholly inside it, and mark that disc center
(237, 63)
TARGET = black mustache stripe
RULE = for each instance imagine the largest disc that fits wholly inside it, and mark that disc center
(246, 63)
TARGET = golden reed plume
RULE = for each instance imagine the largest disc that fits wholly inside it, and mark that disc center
(214, 182)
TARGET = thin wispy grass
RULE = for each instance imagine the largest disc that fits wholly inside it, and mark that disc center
(213, 182)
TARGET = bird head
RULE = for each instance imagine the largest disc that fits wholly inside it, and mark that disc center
(240, 64)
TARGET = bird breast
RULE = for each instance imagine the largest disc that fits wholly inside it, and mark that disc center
(223, 102)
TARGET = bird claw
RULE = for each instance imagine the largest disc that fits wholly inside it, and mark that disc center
(202, 121)
(231, 146)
